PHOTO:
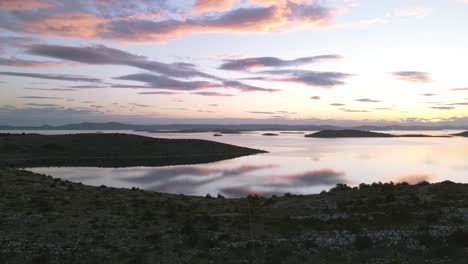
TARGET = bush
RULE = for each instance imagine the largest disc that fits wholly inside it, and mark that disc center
(388, 187)
(364, 186)
(340, 187)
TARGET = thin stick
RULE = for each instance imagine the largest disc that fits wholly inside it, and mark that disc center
(251, 229)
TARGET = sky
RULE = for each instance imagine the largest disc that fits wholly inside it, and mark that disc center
(339, 62)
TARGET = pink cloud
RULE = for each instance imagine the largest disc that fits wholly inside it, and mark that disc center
(112, 23)
(77, 25)
(23, 4)
(205, 6)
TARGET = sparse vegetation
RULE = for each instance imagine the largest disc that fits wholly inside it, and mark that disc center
(46, 220)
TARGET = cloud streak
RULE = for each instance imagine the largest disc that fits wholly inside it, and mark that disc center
(57, 77)
(42, 97)
(443, 107)
(413, 76)
(367, 100)
(309, 78)
(163, 82)
(102, 55)
(460, 89)
(250, 63)
(247, 88)
(15, 62)
(213, 94)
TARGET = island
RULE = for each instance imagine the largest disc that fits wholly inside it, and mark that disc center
(463, 134)
(217, 135)
(111, 150)
(292, 132)
(47, 220)
(182, 131)
(348, 133)
(229, 131)
(270, 134)
(188, 131)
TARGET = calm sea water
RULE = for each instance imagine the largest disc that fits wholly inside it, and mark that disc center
(295, 164)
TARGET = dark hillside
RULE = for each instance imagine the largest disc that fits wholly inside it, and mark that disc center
(114, 150)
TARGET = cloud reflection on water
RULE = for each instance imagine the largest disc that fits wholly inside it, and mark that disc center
(157, 175)
(187, 179)
(279, 184)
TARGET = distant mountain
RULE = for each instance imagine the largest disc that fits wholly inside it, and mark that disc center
(221, 128)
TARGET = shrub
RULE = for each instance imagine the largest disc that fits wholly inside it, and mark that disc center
(340, 187)
(363, 186)
(388, 187)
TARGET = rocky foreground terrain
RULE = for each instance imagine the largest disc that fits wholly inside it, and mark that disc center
(46, 220)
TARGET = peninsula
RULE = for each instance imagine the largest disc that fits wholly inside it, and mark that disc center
(111, 150)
